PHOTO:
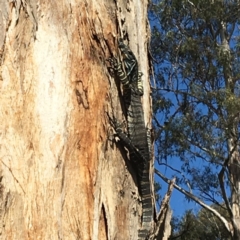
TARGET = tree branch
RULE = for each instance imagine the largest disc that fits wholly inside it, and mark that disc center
(200, 99)
(210, 198)
(163, 210)
(197, 200)
(220, 177)
(231, 32)
(178, 171)
(221, 180)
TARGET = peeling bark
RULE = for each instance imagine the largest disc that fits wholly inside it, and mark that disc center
(62, 177)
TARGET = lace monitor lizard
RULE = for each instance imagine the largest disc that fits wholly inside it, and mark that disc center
(137, 139)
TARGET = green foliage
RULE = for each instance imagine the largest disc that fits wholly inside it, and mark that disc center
(200, 226)
(196, 48)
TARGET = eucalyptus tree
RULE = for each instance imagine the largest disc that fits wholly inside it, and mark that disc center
(195, 48)
(200, 226)
(62, 175)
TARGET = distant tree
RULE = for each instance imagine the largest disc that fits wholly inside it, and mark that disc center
(196, 48)
(202, 226)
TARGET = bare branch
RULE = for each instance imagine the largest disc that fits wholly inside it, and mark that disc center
(210, 198)
(197, 200)
(163, 210)
(220, 177)
(178, 171)
(221, 180)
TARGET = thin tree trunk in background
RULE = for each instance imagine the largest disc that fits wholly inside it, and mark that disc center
(233, 158)
(62, 176)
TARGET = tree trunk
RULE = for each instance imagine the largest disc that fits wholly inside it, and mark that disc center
(233, 157)
(62, 175)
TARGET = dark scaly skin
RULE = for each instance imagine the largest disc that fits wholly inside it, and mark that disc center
(137, 142)
(138, 157)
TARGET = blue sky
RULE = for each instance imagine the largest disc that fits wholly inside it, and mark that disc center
(179, 203)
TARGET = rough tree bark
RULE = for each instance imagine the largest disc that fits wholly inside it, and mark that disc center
(62, 176)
